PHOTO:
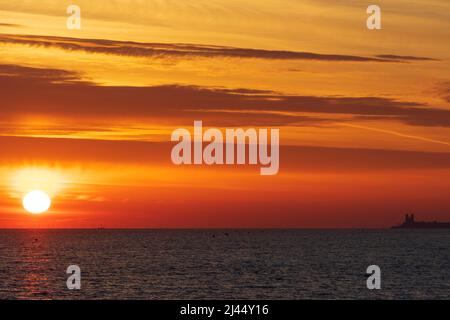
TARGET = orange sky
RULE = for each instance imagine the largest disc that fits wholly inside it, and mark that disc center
(86, 115)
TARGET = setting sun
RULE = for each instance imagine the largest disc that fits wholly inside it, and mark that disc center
(36, 202)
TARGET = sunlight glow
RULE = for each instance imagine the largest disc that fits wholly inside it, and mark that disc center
(29, 179)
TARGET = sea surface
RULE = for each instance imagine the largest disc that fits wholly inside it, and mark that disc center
(224, 264)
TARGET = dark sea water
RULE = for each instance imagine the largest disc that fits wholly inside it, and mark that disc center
(224, 264)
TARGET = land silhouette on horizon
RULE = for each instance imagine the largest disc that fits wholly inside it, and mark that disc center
(410, 223)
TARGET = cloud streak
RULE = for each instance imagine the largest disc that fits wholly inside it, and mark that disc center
(185, 51)
(320, 159)
(10, 25)
(60, 93)
(404, 58)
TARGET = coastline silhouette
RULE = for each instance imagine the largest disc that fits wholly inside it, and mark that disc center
(410, 223)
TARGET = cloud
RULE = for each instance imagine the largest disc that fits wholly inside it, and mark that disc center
(443, 90)
(303, 158)
(10, 25)
(404, 58)
(51, 92)
(43, 75)
(175, 50)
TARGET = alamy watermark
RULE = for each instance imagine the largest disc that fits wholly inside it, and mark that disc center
(373, 22)
(223, 151)
(74, 20)
(74, 280)
(374, 279)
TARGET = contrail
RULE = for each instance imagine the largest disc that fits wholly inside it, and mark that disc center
(403, 135)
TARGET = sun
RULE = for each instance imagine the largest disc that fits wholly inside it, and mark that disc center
(36, 202)
(36, 187)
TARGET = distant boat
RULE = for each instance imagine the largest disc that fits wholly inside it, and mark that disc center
(410, 223)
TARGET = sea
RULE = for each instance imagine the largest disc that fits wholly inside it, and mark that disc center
(224, 264)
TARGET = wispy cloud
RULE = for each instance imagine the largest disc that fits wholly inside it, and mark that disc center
(44, 75)
(61, 93)
(10, 25)
(404, 58)
(176, 50)
(321, 159)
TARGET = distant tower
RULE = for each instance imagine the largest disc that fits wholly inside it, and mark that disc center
(409, 219)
